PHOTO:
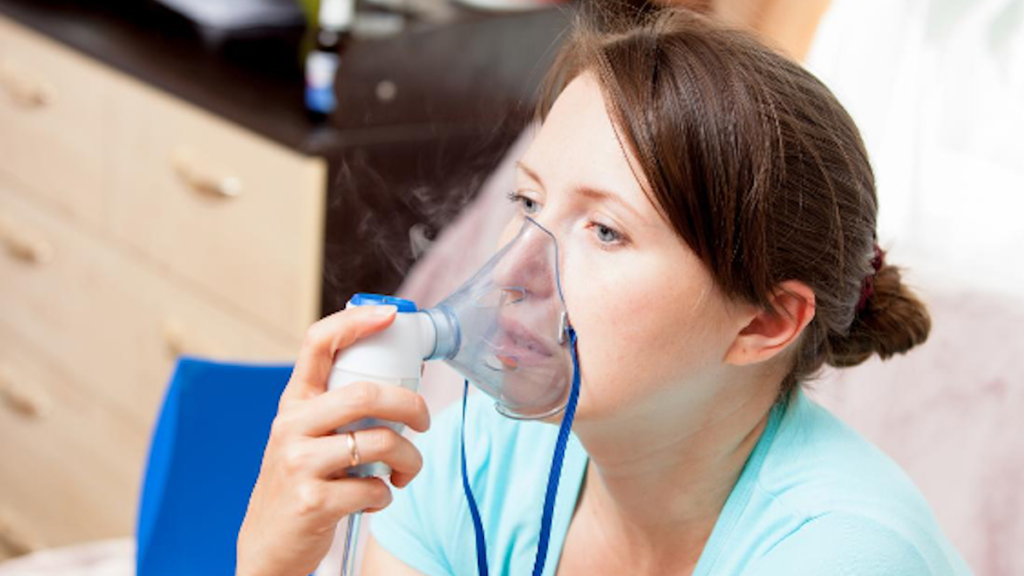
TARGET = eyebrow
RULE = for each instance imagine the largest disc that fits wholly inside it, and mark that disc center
(589, 191)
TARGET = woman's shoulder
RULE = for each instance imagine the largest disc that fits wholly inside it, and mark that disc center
(830, 495)
(847, 543)
(817, 465)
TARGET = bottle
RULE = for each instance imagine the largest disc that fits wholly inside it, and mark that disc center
(333, 35)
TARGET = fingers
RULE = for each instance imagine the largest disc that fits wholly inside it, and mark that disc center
(361, 494)
(372, 445)
(336, 408)
(333, 500)
(325, 338)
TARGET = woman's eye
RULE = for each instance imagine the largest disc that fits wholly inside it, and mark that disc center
(529, 205)
(607, 235)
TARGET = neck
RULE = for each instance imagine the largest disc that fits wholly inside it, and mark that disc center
(656, 485)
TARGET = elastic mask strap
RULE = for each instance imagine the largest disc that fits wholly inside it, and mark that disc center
(553, 476)
(556, 460)
(478, 527)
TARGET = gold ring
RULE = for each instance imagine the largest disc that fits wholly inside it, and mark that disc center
(353, 451)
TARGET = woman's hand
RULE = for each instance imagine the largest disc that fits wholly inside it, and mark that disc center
(302, 492)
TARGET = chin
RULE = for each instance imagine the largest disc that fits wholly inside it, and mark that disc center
(586, 410)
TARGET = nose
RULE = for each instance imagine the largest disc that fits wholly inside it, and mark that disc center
(529, 264)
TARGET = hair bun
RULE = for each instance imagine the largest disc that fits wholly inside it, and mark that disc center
(892, 321)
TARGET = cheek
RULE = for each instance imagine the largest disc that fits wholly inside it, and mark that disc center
(641, 329)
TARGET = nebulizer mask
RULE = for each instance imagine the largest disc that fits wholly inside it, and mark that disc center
(506, 330)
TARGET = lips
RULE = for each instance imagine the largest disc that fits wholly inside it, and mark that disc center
(515, 345)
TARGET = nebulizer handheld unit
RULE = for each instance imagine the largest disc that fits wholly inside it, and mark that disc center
(506, 330)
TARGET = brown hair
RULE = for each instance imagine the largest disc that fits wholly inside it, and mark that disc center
(756, 166)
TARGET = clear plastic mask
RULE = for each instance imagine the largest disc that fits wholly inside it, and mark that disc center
(506, 328)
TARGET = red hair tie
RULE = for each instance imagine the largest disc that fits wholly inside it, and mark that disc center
(868, 287)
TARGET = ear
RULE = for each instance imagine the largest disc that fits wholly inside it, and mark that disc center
(771, 331)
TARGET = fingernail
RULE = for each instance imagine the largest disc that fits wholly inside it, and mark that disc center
(386, 310)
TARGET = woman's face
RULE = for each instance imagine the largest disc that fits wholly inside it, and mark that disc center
(653, 328)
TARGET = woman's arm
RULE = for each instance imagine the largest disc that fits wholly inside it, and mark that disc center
(379, 562)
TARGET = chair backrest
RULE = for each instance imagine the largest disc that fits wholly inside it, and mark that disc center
(203, 462)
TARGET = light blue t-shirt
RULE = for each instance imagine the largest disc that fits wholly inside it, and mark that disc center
(814, 499)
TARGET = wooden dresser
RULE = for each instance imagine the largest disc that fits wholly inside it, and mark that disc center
(134, 227)
(158, 198)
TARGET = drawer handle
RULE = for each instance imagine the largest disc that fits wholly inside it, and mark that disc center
(179, 343)
(16, 540)
(22, 90)
(21, 401)
(205, 180)
(174, 337)
(23, 248)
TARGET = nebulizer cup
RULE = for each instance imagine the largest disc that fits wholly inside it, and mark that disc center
(506, 330)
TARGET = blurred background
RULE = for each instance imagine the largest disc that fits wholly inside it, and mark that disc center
(206, 178)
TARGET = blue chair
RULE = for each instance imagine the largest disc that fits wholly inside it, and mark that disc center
(203, 462)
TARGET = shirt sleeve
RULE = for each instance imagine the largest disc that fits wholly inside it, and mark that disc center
(843, 545)
(414, 526)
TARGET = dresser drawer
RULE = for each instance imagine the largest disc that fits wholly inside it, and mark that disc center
(110, 318)
(72, 463)
(54, 119)
(236, 215)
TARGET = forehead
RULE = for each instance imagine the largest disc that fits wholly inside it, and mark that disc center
(578, 146)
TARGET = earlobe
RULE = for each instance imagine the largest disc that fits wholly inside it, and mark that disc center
(770, 332)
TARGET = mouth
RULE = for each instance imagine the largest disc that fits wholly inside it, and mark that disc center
(515, 345)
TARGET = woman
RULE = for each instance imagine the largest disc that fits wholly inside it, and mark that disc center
(716, 211)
